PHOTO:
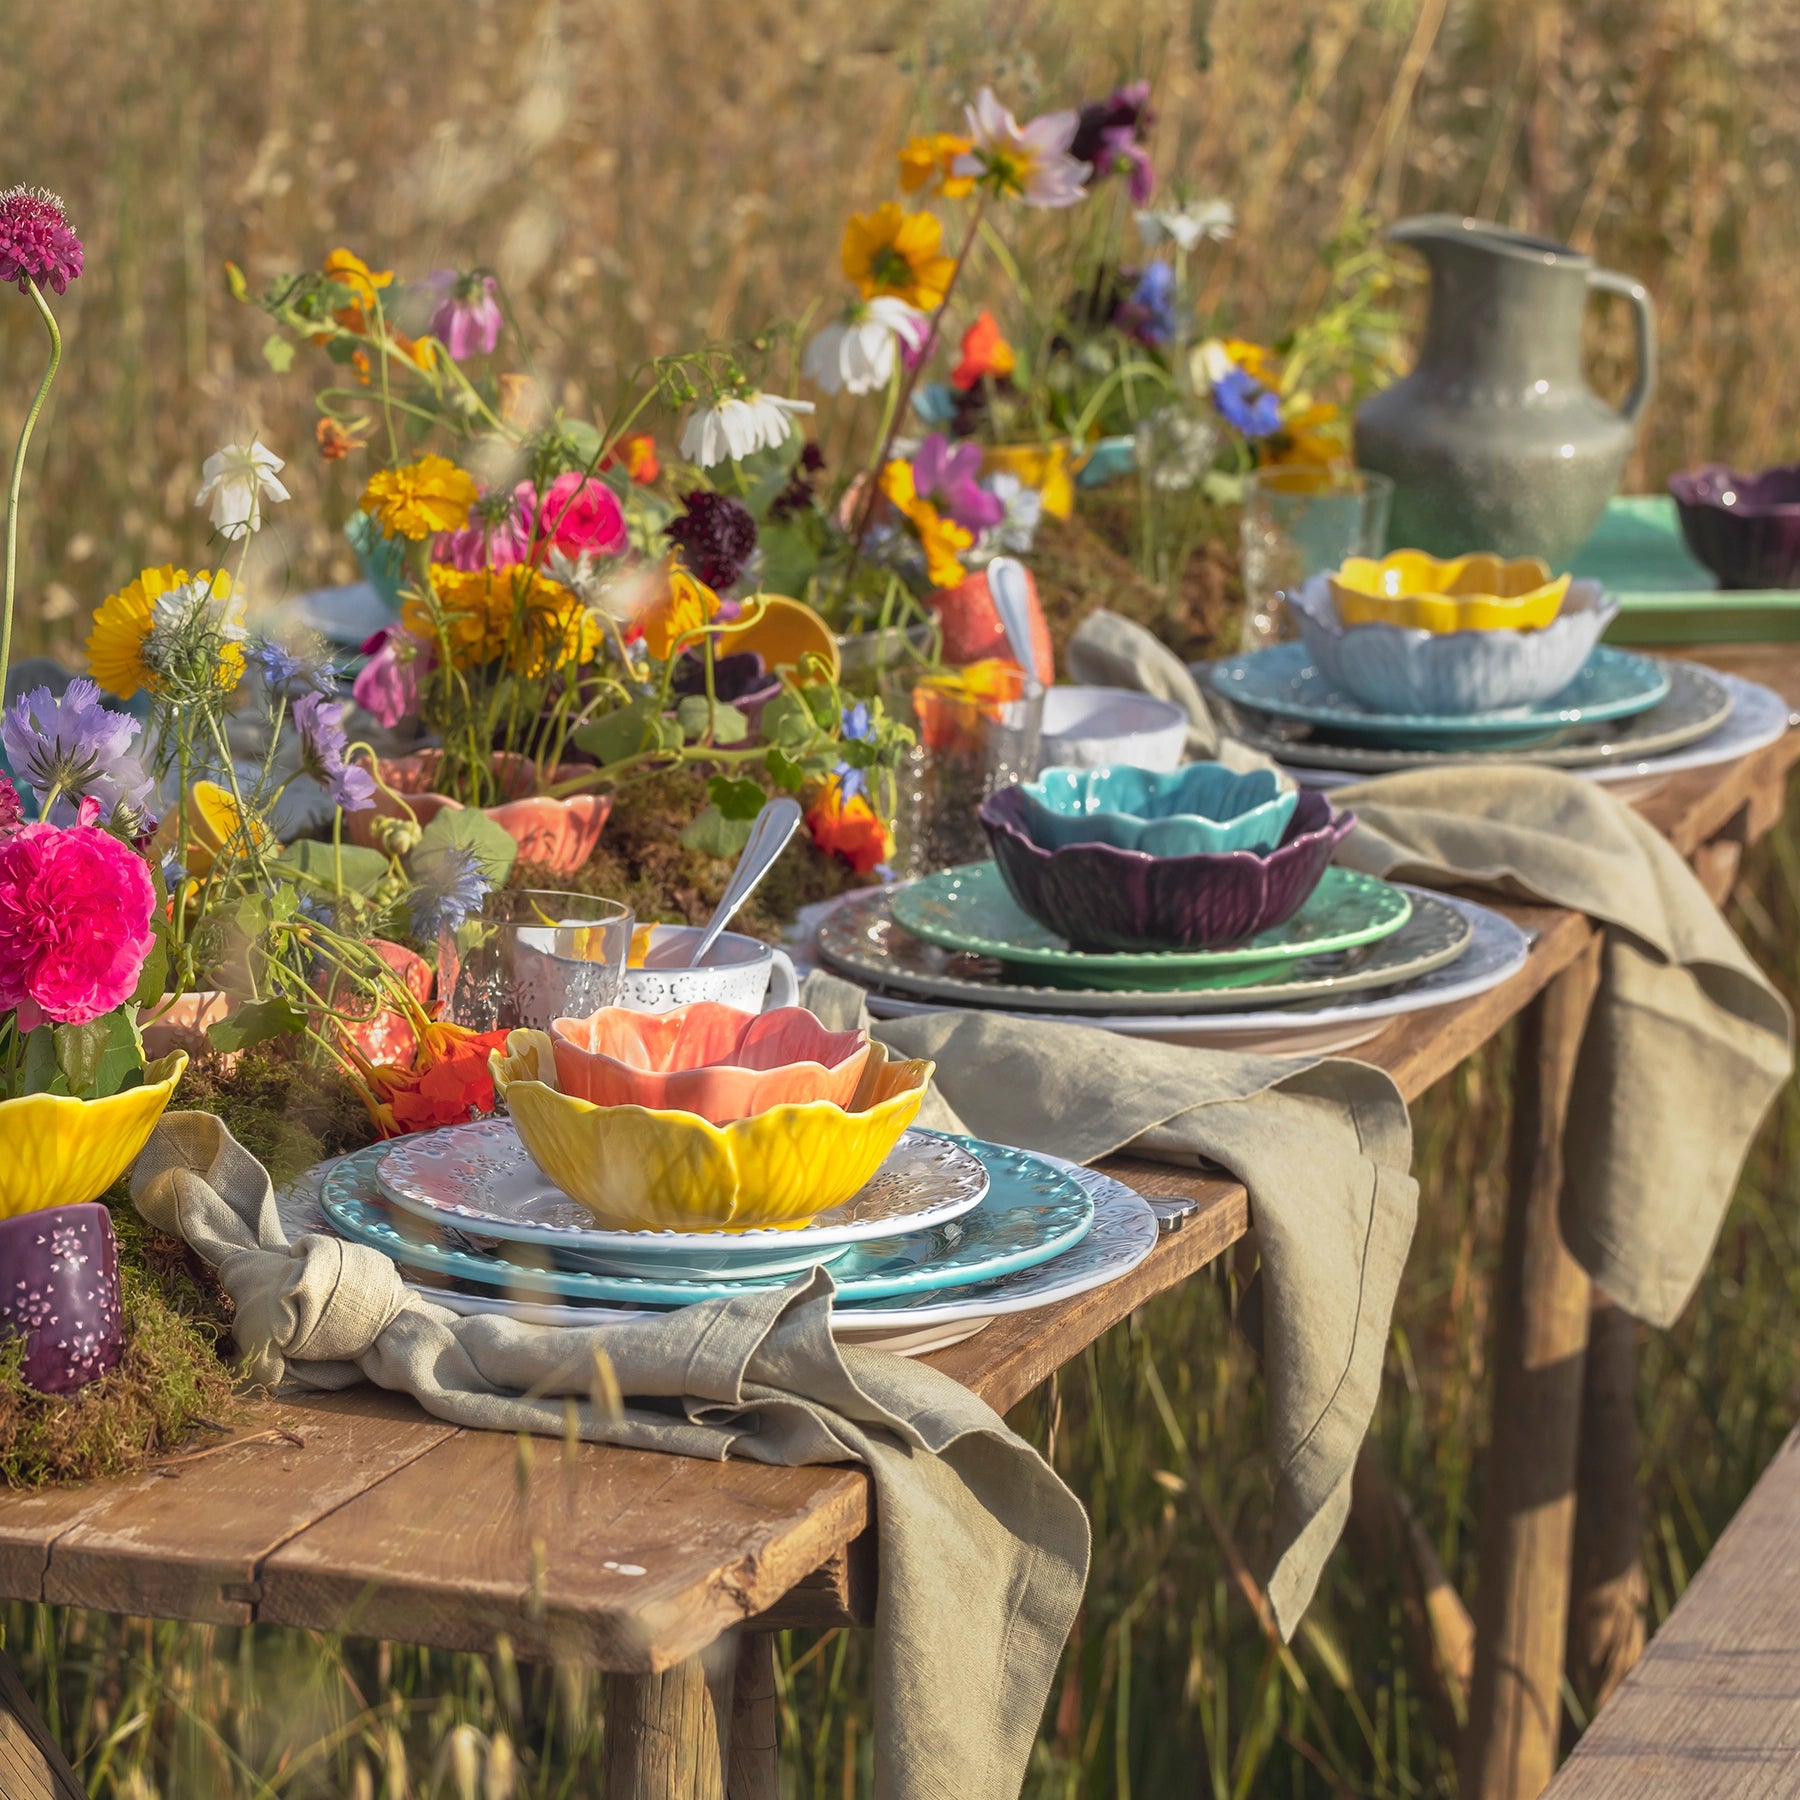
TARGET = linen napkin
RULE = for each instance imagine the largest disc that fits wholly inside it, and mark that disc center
(983, 1552)
(1687, 1045)
(1323, 1147)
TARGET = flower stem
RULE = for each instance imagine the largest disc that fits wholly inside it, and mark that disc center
(18, 477)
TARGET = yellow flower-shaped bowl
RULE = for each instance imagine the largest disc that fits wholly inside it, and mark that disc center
(673, 1171)
(1464, 593)
(64, 1152)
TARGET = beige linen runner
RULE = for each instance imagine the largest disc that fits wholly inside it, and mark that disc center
(1687, 1045)
(983, 1551)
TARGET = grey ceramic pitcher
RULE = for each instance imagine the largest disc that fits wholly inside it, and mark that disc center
(1495, 441)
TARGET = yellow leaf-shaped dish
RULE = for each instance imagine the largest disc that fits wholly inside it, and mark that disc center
(64, 1152)
(673, 1171)
(1408, 588)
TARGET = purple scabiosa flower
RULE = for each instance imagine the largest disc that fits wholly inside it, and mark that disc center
(947, 477)
(320, 723)
(37, 243)
(1109, 138)
(72, 749)
(467, 320)
(1245, 404)
(716, 536)
(448, 886)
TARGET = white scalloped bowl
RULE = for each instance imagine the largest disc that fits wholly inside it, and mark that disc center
(1406, 669)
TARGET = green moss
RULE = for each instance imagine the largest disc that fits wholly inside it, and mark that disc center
(289, 1114)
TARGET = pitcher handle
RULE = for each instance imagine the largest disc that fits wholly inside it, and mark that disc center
(1644, 319)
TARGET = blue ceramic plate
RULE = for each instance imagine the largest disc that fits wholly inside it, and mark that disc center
(968, 909)
(1203, 809)
(1031, 1213)
(1282, 682)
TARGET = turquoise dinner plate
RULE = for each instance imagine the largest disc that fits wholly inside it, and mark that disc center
(968, 909)
(1030, 1213)
(1282, 682)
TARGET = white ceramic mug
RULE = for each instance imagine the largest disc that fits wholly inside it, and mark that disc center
(739, 971)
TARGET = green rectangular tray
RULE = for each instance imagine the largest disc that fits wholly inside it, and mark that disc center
(1665, 597)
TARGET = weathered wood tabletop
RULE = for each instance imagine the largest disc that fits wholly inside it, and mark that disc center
(359, 1512)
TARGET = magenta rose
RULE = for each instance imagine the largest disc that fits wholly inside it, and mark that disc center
(75, 909)
(579, 515)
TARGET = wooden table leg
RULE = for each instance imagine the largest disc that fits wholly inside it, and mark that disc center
(31, 1765)
(1528, 1499)
(664, 1737)
(753, 1765)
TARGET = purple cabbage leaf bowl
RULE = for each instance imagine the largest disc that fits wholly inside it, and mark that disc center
(1745, 528)
(1101, 897)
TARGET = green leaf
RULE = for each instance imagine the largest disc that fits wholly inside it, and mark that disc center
(96, 1057)
(783, 770)
(790, 558)
(256, 1023)
(467, 828)
(713, 834)
(629, 731)
(278, 353)
(154, 976)
(696, 714)
(314, 866)
(788, 721)
(736, 797)
(39, 1073)
(757, 479)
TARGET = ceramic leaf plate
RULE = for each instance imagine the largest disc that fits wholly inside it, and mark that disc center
(480, 1179)
(1699, 703)
(969, 910)
(1497, 950)
(1122, 1234)
(861, 939)
(1282, 682)
(1030, 1213)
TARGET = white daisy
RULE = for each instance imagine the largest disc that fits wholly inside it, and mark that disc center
(1187, 225)
(237, 480)
(856, 352)
(738, 427)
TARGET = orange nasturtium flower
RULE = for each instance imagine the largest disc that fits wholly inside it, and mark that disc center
(850, 829)
(985, 352)
(683, 607)
(932, 157)
(421, 498)
(951, 707)
(449, 1081)
(888, 251)
(637, 452)
(337, 440)
(939, 538)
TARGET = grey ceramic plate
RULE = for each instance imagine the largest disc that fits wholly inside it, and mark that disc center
(861, 939)
(1699, 702)
(480, 1180)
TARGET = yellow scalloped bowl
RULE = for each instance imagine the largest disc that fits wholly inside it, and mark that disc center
(672, 1171)
(64, 1152)
(1482, 592)
(782, 632)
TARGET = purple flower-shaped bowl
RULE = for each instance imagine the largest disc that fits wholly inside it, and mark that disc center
(1745, 528)
(1100, 897)
(59, 1291)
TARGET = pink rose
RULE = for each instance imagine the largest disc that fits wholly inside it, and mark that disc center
(579, 515)
(75, 908)
(387, 685)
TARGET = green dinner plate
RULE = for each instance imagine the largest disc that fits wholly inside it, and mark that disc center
(968, 909)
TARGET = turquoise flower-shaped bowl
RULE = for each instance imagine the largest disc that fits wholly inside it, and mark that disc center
(1203, 809)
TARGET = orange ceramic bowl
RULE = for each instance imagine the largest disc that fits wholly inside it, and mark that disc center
(714, 1061)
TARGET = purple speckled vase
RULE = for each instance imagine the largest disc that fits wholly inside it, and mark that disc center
(59, 1291)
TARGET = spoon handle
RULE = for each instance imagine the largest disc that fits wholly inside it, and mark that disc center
(1011, 597)
(774, 825)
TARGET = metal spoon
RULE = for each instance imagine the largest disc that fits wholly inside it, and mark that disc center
(774, 825)
(1012, 601)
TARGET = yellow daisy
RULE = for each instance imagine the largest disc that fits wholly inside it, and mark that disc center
(122, 621)
(933, 158)
(421, 499)
(493, 613)
(900, 253)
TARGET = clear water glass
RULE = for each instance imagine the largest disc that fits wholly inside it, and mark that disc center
(1300, 520)
(532, 955)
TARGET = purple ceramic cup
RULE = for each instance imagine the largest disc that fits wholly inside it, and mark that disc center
(1745, 528)
(59, 1291)
(1100, 897)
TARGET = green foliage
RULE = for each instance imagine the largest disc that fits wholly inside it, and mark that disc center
(255, 1023)
(321, 868)
(467, 828)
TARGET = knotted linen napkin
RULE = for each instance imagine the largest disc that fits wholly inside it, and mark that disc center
(983, 1552)
(1687, 1044)
(1324, 1148)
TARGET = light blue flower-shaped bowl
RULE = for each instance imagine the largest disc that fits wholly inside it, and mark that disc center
(1202, 809)
(1404, 669)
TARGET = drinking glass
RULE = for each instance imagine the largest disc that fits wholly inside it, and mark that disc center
(531, 956)
(1300, 520)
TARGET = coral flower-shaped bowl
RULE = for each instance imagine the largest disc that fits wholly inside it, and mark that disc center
(66, 1152)
(641, 1169)
(1745, 528)
(1100, 897)
(1201, 809)
(708, 1059)
(1464, 593)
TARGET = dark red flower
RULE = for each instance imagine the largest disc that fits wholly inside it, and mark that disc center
(716, 535)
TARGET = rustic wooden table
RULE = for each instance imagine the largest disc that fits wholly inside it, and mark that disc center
(358, 1512)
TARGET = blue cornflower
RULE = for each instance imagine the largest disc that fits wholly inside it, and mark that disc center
(320, 723)
(448, 885)
(1152, 305)
(1247, 405)
(857, 723)
(72, 749)
(285, 667)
